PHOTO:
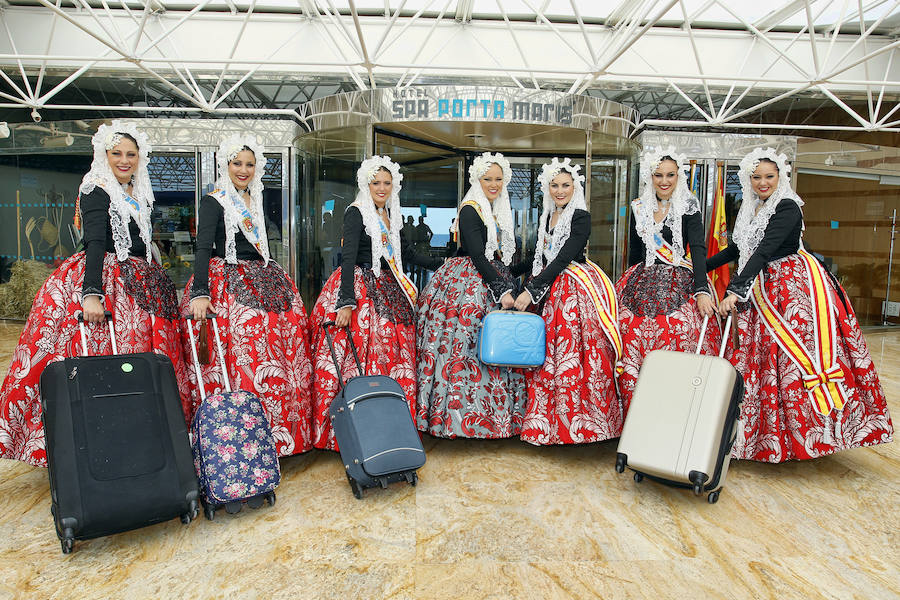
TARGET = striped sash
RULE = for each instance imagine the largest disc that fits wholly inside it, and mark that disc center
(822, 375)
(604, 299)
(409, 290)
(666, 253)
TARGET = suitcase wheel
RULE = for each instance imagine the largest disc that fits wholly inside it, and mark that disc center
(209, 511)
(233, 508)
(638, 477)
(256, 501)
(384, 482)
(698, 489)
(67, 542)
(412, 478)
(713, 497)
(270, 498)
(356, 487)
(621, 461)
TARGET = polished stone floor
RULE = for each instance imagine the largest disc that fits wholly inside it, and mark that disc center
(495, 520)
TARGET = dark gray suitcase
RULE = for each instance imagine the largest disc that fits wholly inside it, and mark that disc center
(375, 433)
(682, 421)
(118, 453)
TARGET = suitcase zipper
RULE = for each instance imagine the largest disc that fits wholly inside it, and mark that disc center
(362, 397)
(391, 450)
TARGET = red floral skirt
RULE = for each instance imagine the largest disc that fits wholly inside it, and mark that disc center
(384, 334)
(572, 399)
(142, 299)
(778, 421)
(657, 311)
(459, 396)
(264, 334)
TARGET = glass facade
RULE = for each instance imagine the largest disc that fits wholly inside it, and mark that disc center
(851, 191)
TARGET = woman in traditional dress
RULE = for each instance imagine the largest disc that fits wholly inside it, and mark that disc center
(664, 294)
(370, 293)
(572, 398)
(115, 272)
(458, 395)
(260, 314)
(810, 386)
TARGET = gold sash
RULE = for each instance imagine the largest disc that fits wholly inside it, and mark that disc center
(604, 302)
(822, 375)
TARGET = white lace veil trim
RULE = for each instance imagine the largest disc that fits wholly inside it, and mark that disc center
(501, 210)
(228, 150)
(683, 202)
(564, 224)
(750, 225)
(366, 205)
(101, 175)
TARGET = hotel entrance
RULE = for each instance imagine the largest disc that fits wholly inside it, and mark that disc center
(435, 155)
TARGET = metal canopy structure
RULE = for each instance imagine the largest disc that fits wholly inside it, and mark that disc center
(722, 64)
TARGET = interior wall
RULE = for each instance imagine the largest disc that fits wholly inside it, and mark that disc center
(848, 221)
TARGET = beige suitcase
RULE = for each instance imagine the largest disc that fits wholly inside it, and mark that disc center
(682, 420)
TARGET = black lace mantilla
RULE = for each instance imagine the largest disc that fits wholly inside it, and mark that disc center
(388, 299)
(261, 287)
(657, 290)
(150, 287)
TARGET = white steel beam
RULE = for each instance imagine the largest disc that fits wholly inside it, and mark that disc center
(703, 68)
(362, 44)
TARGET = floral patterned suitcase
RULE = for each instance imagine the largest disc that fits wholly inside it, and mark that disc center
(512, 338)
(234, 451)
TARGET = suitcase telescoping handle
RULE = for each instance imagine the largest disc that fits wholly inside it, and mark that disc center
(112, 332)
(724, 335)
(337, 367)
(196, 360)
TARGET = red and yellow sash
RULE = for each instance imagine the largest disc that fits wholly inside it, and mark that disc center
(821, 371)
(667, 254)
(409, 289)
(477, 208)
(604, 301)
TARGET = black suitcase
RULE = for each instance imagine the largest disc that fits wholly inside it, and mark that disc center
(376, 436)
(118, 452)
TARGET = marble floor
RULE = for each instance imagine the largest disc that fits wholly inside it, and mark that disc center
(495, 520)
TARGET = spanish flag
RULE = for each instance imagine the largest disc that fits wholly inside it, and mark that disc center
(718, 234)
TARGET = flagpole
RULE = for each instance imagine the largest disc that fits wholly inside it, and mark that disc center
(18, 227)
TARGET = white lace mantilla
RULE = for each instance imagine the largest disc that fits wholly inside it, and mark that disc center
(500, 209)
(227, 195)
(548, 249)
(683, 202)
(366, 205)
(750, 225)
(122, 208)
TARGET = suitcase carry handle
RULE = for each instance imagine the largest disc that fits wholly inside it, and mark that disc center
(724, 335)
(337, 367)
(112, 332)
(212, 317)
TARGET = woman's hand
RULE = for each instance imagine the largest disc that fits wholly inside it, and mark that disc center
(523, 301)
(705, 305)
(343, 316)
(507, 300)
(92, 309)
(200, 307)
(728, 304)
